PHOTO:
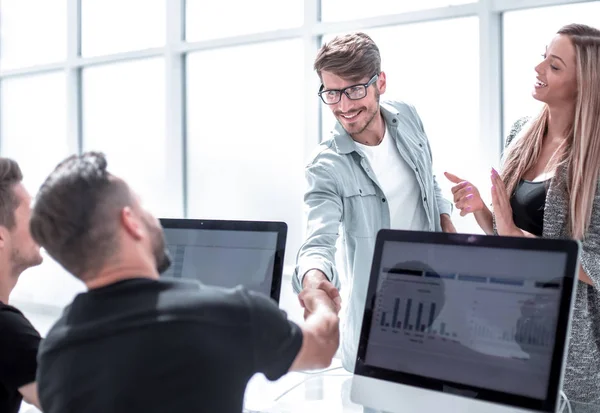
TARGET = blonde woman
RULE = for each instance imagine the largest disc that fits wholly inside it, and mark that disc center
(549, 185)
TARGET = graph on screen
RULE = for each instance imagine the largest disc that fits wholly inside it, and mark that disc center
(478, 316)
(505, 317)
(418, 317)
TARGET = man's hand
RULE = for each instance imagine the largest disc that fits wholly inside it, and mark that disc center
(320, 332)
(30, 394)
(325, 293)
(446, 222)
(315, 299)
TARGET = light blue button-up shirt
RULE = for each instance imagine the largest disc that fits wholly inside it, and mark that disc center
(343, 195)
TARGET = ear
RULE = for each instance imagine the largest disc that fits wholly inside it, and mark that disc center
(3, 236)
(381, 83)
(132, 223)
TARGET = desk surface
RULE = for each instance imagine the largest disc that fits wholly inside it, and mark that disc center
(324, 391)
(321, 391)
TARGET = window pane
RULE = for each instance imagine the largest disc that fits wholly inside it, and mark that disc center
(114, 26)
(523, 49)
(34, 134)
(443, 85)
(32, 32)
(335, 10)
(124, 117)
(34, 117)
(47, 284)
(213, 19)
(246, 137)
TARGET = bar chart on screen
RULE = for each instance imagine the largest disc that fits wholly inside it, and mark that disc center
(411, 306)
(505, 317)
(517, 317)
(531, 332)
(416, 316)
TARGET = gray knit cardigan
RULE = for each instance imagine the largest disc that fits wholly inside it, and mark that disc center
(582, 375)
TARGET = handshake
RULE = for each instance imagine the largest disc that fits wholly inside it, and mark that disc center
(321, 302)
(318, 293)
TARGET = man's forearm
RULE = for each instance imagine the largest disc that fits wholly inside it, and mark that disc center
(30, 394)
(316, 280)
(309, 265)
(485, 220)
(312, 278)
(446, 223)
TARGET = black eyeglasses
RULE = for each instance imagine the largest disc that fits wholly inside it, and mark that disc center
(354, 92)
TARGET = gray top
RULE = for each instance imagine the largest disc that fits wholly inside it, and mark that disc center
(582, 375)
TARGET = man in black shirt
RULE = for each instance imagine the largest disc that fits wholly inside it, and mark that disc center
(19, 341)
(137, 343)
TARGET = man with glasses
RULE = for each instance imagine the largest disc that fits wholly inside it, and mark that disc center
(374, 172)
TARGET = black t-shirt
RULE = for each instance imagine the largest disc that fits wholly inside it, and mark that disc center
(162, 346)
(19, 342)
(528, 203)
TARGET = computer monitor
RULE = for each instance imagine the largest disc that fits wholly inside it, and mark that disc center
(227, 253)
(465, 323)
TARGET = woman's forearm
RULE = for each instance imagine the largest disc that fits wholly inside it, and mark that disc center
(583, 277)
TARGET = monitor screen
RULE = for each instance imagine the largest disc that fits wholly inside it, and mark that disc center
(227, 253)
(471, 315)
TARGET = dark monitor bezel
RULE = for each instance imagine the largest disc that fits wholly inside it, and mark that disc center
(249, 226)
(549, 404)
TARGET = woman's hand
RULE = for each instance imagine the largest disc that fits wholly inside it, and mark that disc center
(505, 225)
(466, 196)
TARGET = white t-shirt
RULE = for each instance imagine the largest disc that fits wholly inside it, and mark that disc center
(399, 184)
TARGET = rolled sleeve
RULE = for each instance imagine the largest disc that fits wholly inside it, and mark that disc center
(323, 212)
(444, 205)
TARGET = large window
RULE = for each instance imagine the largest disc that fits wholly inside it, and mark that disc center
(114, 26)
(523, 49)
(213, 19)
(48, 284)
(33, 128)
(32, 32)
(245, 135)
(33, 113)
(333, 10)
(124, 117)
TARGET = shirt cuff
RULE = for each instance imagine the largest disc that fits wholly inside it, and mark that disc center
(312, 264)
(445, 207)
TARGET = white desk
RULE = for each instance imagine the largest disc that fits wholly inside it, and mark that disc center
(324, 391)
(315, 392)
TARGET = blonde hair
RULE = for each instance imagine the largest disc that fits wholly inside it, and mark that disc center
(580, 151)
